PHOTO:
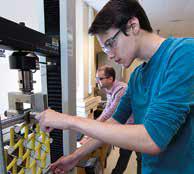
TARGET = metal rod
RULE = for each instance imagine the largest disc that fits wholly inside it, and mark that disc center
(12, 121)
(2, 157)
(17, 119)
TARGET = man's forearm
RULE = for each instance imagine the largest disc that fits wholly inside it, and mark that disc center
(87, 148)
(132, 137)
(91, 145)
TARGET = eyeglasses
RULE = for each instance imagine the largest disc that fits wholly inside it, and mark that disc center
(109, 44)
(101, 78)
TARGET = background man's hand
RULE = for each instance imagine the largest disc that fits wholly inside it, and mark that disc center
(84, 140)
(64, 164)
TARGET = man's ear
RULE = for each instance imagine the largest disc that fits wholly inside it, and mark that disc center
(133, 25)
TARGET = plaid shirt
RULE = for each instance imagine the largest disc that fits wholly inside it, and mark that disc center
(113, 97)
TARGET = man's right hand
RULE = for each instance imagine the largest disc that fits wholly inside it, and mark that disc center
(64, 164)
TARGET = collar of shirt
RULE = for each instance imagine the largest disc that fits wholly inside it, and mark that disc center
(114, 87)
(110, 91)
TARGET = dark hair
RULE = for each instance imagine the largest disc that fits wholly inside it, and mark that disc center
(108, 71)
(116, 13)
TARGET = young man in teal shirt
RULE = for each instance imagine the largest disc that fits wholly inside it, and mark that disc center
(160, 95)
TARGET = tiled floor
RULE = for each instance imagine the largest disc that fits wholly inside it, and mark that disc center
(112, 159)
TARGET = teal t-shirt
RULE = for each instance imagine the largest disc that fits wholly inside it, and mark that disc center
(160, 95)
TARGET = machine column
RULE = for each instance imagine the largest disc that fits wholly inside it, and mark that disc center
(68, 67)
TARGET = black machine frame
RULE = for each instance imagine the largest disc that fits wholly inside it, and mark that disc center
(18, 37)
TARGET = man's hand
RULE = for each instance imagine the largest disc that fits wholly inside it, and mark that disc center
(64, 164)
(84, 140)
(50, 119)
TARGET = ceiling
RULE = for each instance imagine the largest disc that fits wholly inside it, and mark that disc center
(169, 17)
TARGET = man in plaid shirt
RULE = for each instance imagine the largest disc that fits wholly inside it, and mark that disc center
(105, 77)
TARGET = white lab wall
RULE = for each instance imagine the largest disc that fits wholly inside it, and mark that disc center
(84, 50)
(31, 12)
(85, 61)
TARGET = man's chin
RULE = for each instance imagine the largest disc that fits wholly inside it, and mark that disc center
(125, 65)
(100, 87)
